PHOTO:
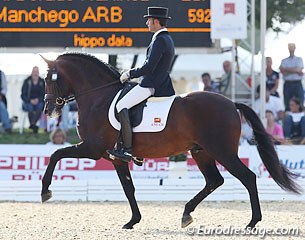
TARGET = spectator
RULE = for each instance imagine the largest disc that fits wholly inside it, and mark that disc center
(3, 88)
(294, 124)
(292, 70)
(4, 117)
(66, 121)
(33, 90)
(209, 85)
(58, 137)
(274, 129)
(227, 67)
(273, 104)
(6, 123)
(226, 76)
(272, 78)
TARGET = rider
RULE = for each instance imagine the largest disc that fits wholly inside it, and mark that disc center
(155, 76)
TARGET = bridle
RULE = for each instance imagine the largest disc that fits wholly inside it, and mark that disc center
(57, 96)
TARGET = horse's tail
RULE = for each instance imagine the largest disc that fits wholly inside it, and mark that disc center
(265, 146)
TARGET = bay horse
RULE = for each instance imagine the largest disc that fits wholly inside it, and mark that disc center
(205, 123)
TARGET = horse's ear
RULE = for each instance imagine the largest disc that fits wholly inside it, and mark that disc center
(49, 62)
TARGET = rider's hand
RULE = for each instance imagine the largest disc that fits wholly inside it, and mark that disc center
(125, 76)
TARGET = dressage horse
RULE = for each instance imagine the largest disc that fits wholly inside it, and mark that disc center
(205, 123)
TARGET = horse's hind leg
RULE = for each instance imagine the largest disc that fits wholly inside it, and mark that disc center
(213, 180)
(248, 179)
(127, 184)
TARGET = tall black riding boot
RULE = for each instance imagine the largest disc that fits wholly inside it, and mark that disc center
(124, 154)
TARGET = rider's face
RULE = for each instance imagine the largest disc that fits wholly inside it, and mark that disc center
(150, 23)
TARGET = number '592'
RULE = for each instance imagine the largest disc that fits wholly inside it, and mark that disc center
(199, 15)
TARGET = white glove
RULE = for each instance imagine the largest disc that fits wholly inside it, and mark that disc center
(125, 76)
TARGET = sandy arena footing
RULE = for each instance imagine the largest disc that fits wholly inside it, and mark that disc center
(160, 220)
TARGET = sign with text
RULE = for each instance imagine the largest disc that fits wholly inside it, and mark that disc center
(99, 23)
(29, 162)
(229, 19)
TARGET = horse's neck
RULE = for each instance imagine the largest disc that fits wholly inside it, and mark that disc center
(97, 87)
(101, 98)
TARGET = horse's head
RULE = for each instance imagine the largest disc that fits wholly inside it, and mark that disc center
(56, 89)
(80, 75)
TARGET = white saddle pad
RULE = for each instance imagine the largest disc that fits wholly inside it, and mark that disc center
(154, 115)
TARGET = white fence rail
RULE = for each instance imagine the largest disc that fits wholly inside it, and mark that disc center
(146, 190)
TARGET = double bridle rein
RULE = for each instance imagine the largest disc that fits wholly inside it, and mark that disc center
(61, 101)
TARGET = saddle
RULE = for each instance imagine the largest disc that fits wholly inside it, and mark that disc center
(148, 116)
(136, 112)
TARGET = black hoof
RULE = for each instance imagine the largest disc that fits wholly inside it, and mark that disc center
(252, 224)
(132, 222)
(138, 161)
(186, 220)
(46, 196)
(119, 154)
(127, 226)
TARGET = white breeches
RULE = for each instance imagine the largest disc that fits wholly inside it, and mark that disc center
(134, 97)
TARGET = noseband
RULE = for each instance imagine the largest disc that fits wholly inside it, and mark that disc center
(61, 101)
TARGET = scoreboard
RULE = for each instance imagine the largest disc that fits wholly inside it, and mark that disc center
(100, 23)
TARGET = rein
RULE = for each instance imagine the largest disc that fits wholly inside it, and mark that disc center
(61, 101)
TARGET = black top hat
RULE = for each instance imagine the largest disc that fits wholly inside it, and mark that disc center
(157, 12)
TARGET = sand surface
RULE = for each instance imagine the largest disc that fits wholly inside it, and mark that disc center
(160, 220)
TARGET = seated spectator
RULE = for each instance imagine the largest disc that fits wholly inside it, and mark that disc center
(294, 123)
(272, 78)
(273, 104)
(67, 119)
(6, 123)
(58, 137)
(4, 117)
(32, 94)
(274, 129)
(209, 85)
(3, 88)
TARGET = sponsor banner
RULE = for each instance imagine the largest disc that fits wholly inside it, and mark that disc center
(291, 156)
(229, 19)
(29, 162)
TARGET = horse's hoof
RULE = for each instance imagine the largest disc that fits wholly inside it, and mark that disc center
(46, 196)
(186, 220)
(127, 226)
(252, 224)
(138, 161)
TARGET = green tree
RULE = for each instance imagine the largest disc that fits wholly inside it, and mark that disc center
(278, 11)
(281, 11)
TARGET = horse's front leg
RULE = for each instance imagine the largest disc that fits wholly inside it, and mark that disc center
(82, 150)
(123, 172)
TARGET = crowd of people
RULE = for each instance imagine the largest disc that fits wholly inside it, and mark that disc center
(285, 118)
